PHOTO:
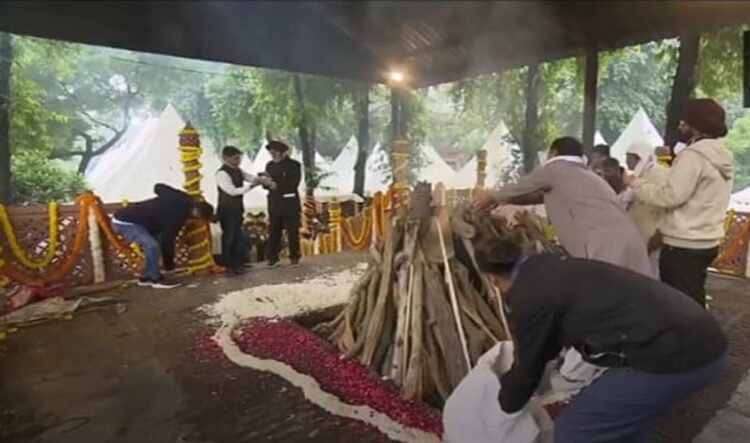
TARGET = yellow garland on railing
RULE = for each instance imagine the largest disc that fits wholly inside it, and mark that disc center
(18, 251)
(357, 242)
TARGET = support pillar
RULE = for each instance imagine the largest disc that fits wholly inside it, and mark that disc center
(481, 168)
(589, 98)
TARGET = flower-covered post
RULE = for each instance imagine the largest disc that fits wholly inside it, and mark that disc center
(400, 164)
(197, 235)
(334, 225)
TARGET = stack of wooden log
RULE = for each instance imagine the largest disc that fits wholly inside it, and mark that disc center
(422, 314)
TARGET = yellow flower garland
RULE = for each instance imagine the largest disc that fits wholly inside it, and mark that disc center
(18, 251)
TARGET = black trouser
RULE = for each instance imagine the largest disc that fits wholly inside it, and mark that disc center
(232, 240)
(278, 223)
(687, 269)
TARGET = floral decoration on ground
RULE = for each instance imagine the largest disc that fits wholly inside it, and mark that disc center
(352, 383)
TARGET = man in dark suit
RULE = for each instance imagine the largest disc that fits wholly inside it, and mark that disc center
(282, 179)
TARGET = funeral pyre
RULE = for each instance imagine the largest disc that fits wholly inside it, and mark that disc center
(422, 314)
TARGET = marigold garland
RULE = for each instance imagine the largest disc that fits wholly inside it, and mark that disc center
(16, 248)
(355, 241)
(734, 247)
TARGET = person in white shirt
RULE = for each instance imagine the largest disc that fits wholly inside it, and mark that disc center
(233, 183)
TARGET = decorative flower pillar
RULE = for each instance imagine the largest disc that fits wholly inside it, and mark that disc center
(307, 233)
(481, 168)
(334, 225)
(197, 235)
(400, 163)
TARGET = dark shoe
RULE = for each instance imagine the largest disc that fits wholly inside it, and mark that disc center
(238, 271)
(295, 263)
(274, 264)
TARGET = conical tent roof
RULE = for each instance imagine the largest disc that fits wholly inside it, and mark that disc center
(152, 158)
(436, 170)
(599, 139)
(640, 128)
(340, 179)
(499, 146)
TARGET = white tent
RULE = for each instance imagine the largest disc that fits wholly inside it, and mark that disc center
(640, 128)
(740, 200)
(599, 139)
(340, 179)
(132, 171)
(499, 147)
(436, 170)
(151, 156)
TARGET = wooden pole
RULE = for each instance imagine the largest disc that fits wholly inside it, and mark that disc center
(481, 168)
(589, 98)
(6, 54)
(453, 297)
(530, 136)
(684, 83)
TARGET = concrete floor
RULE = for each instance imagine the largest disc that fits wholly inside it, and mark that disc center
(151, 375)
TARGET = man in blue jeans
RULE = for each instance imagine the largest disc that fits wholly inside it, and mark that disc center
(154, 225)
(658, 345)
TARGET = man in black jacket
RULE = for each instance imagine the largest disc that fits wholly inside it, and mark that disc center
(283, 202)
(154, 225)
(233, 183)
(659, 346)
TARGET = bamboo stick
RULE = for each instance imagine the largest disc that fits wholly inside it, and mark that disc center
(452, 292)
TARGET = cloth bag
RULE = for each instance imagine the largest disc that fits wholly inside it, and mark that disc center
(472, 413)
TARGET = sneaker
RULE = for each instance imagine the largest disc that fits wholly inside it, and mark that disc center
(165, 284)
(238, 271)
(145, 282)
(274, 264)
(295, 263)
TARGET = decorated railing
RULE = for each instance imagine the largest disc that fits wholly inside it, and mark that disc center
(733, 253)
(68, 244)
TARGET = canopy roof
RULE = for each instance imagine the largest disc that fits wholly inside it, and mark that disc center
(432, 41)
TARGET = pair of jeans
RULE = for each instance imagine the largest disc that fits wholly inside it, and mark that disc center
(623, 403)
(277, 225)
(687, 269)
(149, 245)
(233, 252)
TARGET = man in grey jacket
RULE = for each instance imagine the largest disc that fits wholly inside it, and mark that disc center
(696, 196)
(584, 210)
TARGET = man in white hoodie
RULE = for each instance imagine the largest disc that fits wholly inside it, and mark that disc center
(696, 195)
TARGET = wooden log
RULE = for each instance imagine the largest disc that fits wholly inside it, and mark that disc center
(385, 339)
(434, 361)
(375, 326)
(444, 329)
(361, 327)
(412, 386)
(404, 291)
(452, 293)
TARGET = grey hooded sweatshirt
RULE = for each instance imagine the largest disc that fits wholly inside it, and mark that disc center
(696, 195)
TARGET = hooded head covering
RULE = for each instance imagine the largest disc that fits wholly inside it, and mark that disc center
(706, 116)
(645, 152)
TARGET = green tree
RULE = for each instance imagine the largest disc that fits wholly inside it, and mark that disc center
(738, 141)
